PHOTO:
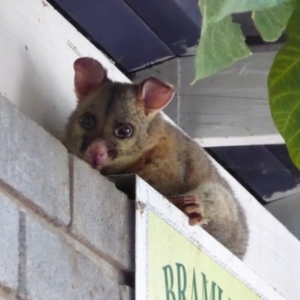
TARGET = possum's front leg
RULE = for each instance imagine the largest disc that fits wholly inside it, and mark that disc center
(214, 208)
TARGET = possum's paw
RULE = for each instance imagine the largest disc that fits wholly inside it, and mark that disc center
(189, 204)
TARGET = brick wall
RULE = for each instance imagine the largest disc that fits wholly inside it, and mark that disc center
(66, 232)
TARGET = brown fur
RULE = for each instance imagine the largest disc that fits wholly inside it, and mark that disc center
(163, 156)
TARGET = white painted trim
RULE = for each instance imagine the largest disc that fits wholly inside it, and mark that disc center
(141, 261)
(240, 140)
(149, 200)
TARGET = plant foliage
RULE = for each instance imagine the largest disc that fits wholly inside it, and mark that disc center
(222, 41)
(284, 87)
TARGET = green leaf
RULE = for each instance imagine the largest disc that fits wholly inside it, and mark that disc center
(271, 22)
(284, 88)
(225, 8)
(221, 44)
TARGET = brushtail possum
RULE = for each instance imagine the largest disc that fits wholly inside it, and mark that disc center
(119, 128)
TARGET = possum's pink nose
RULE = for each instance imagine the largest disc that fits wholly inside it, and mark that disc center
(96, 155)
(97, 152)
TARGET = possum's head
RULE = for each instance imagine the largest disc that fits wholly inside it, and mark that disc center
(114, 123)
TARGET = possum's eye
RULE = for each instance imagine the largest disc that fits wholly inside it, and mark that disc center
(87, 121)
(123, 131)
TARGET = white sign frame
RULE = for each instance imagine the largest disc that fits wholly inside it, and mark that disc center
(147, 199)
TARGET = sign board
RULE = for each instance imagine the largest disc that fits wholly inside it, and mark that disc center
(175, 261)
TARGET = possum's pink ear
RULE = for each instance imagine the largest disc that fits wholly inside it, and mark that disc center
(156, 94)
(89, 74)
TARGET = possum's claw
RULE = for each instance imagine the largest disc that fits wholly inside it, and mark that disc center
(189, 204)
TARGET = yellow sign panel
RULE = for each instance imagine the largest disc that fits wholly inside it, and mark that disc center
(178, 270)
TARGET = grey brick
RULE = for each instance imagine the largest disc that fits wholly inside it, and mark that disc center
(33, 162)
(9, 255)
(103, 215)
(55, 271)
(8, 297)
(126, 293)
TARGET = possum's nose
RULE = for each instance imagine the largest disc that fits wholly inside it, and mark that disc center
(97, 155)
(97, 152)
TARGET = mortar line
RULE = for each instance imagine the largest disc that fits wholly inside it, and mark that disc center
(22, 274)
